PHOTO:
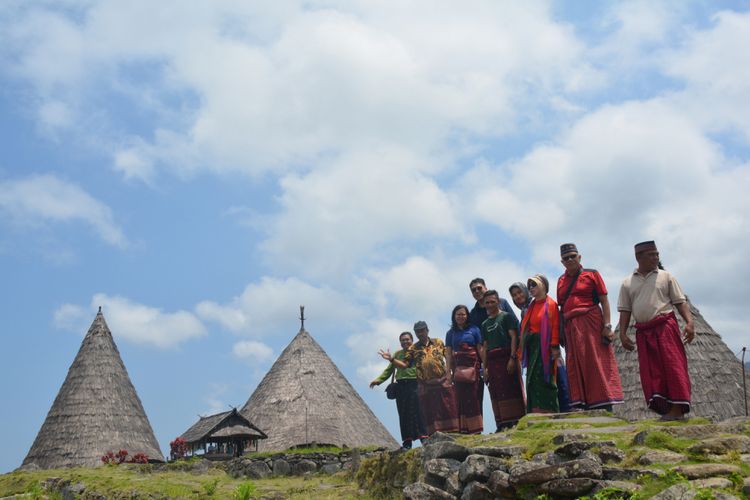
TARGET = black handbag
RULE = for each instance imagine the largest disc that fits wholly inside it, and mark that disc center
(391, 390)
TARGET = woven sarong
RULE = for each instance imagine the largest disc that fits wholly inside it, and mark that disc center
(437, 401)
(592, 369)
(469, 395)
(541, 396)
(663, 364)
(409, 416)
(506, 391)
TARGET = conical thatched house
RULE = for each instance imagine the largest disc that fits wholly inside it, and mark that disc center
(305, 399)
(97, 410)
(715, 374)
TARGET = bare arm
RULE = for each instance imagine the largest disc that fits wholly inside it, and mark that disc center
(689, 332)
(627, 342)
(606, 332)
(389, 357)
(512, 363)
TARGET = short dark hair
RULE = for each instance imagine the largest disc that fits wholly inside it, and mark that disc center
(454, 325)
(476, 280)
(406, 333)
(491, 292)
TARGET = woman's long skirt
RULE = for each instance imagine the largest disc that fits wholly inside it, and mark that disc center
(409, 416)
(541, 396)
(469, 395)
(506, 390)
(437, 402)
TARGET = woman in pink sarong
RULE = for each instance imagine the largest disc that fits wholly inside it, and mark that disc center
(594, 381)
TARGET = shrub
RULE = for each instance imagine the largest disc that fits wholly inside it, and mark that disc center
(178, 448)
(209, 487)
(112, 458)
(245, 491)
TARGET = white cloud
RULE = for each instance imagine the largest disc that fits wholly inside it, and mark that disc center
(42, 199)
(380, 334)
(72, 318)
(138, 323)
(335, 215)
(251, 350)
(271, 305)
(307, 79)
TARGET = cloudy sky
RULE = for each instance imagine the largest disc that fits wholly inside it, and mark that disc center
(200, 169)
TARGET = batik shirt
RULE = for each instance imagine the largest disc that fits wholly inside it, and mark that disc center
(429, 359)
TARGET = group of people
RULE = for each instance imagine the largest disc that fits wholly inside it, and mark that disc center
(440, 384)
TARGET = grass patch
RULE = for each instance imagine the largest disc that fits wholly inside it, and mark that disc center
(115, 482)
(662, 440)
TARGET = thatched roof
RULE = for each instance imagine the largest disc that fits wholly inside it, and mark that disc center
(222, 425)
(305, 399)
(97, 410)
(715, 374)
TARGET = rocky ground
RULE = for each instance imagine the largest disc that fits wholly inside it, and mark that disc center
(587, 454)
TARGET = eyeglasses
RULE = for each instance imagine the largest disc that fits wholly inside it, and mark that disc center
(570, 257)
(530, 285)
(476, 289)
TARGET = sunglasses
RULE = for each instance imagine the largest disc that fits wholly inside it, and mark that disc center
(530, 285)
(569, 257)
(476, 289)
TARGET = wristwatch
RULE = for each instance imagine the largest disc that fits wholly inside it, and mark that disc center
(514, 356)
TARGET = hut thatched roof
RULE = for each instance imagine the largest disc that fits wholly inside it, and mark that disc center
(305, 399)
(221, 425)
(715, 374)
(97, 410)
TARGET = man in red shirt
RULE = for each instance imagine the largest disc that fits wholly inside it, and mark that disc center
(592, 368)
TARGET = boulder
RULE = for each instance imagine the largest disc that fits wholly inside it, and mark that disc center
(479, 468)
(700, 471)
(257, 470)
(661, 457)
(476, 491)
(746, 486)
(574, 487)
(281, 467)
(714, 483)
(304, 467)
(438, 437)
(722, 445)
(573, 469)
(423, 491)
(499, 485)
(618, 474)
(623, 486)
(575, 448)
(444, 449)
(439, 471)
(506, 451)
(330, 468)
(611, 454)
(524, 466)
(681, 491)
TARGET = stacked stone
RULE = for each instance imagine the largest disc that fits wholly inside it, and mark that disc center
(577, 467)
(291, 464)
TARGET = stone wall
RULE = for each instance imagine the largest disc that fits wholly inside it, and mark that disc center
(288, 464)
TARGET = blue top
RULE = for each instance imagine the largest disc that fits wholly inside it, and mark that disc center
(471, 335)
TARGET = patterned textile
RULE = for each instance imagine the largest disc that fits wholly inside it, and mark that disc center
(437, 401)
(409, 415)
(429, 359)
(506, 391)
(663, 364)
(592, 368)
(543, 319)
(541, 392)
(469, 396)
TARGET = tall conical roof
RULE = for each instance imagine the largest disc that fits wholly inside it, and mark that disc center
(97, 410)
(305, 399)
(715, 375)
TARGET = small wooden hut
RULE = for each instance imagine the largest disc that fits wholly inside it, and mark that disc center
(716, 376)
(222, 436)
(97, 410)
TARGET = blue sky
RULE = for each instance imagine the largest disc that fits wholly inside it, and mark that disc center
(200, 170)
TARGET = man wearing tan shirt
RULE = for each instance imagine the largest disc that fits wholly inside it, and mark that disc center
(649, 295)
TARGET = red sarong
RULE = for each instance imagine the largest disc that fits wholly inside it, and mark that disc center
(663, 364)
(506, 391)
(592, 368)
(469, 395)
(437, 400)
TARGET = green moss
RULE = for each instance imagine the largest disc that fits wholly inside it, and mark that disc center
(664, 441)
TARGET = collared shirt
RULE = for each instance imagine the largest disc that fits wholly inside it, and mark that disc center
(470, 335)
(429, 359)
(649, 296)
(582, 293)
